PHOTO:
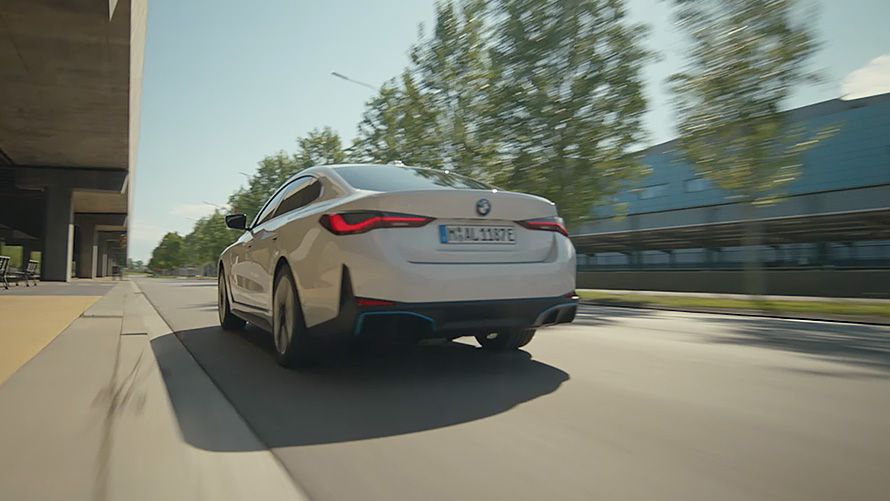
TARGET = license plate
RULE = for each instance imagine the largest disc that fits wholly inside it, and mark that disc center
(460, 234)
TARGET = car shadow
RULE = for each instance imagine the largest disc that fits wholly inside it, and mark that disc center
(852, 344)
(345, 397)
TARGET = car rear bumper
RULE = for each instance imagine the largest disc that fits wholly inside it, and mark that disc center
(450, 319)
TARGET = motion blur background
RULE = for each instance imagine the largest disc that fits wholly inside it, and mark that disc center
(575, 102)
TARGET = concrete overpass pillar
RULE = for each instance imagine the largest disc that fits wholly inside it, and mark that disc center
(59, 234)
(26, 254)
(102, 265)
(59, 184)
(89, 250)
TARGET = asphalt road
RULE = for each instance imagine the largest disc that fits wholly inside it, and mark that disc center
(621, 405)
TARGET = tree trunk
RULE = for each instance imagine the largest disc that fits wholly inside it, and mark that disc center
(752, 240)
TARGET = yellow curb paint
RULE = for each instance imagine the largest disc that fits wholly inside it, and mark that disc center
(29, 323)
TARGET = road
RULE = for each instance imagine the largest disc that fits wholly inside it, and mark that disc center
(622, 404)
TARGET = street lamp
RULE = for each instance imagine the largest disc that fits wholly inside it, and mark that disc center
(344, 77)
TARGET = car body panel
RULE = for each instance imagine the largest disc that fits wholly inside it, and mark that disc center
(404, 265)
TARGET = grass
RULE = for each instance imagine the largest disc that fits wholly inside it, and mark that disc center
(827, 308)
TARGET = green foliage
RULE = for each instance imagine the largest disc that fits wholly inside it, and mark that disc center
(568, 100)
(541, 96)
(168, 254)
(208, 239)
(210, 236)
(14, 254)
(320, 147)
(271, 173)
(745, 59)
(820, 308)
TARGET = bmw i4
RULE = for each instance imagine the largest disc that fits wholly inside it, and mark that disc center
(357, 251)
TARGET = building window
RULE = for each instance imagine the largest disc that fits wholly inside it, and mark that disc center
(696, 184)
(654, 191)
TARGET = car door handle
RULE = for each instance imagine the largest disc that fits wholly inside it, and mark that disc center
(275, 238)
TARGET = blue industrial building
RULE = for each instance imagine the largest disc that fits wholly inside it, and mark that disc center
(836, 215)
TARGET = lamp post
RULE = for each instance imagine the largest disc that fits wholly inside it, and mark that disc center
(344, 77)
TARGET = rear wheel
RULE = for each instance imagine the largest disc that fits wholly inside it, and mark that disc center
(227, 319)
(288, 327)
(506, 340)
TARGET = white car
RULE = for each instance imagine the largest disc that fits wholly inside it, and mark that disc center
(369, 250)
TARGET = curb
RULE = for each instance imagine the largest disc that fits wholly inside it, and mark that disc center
(842, 319)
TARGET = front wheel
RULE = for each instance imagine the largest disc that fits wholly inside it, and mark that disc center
(227, 319)
(512, 339)
(288, 327)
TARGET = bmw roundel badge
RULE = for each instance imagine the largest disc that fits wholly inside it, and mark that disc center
(483, 207)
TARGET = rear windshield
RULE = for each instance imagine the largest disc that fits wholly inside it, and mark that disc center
(398, 178)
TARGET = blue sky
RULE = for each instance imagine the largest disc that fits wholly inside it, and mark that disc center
(227, 82)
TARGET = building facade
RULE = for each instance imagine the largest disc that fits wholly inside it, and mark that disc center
(836, 216)
(69, 120)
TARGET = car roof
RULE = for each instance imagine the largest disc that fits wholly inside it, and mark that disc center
(332, 168)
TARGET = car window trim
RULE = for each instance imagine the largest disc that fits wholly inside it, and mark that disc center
(256, 220)
(283, 187)
(320, 194)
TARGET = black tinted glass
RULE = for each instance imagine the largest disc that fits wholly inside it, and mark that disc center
(396, 178)
(304, 194)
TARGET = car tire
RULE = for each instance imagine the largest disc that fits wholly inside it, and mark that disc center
(512, 339)
(227, 319)
(288, 327)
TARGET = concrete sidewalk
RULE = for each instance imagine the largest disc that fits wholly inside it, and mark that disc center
(33, 316)
(90, 417)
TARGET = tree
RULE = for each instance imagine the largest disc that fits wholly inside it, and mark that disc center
(273, 170)
(318, 148)
(168, 254)
(432, 115)
(396, 127)
(744, 60)
(568, 100)
(447, 92)
(211, 237)
(542, 96)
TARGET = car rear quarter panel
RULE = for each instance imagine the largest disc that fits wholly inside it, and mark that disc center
(316, 264)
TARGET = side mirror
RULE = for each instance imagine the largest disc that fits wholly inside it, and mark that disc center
(237, 221)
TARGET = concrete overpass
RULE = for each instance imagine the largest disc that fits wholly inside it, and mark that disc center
(69, 121)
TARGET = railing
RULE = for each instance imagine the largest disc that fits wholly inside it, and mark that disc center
(863, 255)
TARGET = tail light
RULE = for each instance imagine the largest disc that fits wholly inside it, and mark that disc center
(350, 223)
(545, 224)
(361, 301)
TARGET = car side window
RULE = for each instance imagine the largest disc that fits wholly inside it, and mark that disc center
(269, 209)
(300, 193)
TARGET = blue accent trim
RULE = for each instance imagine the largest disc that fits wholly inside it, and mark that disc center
(443, 235)
(361, 318)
